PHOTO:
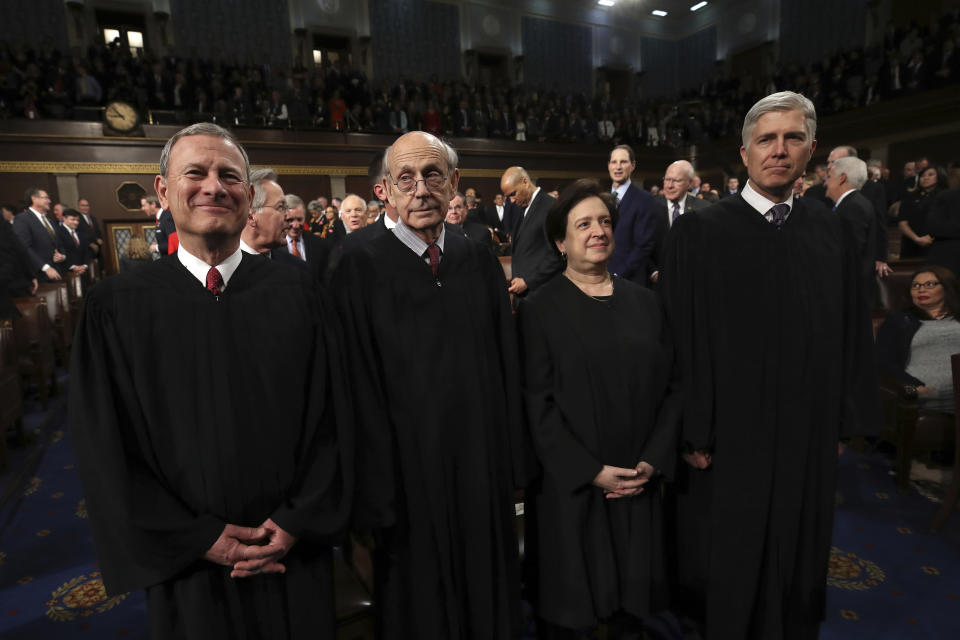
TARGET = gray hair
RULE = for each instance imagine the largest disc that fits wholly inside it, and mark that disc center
(315, 205)
(782, 101)
(690, 171)
(848, 150)
(373, 203)
(257, 178)
(347, 197)
(854, 168)
(293, 201)
(202, 129)
(451, 153)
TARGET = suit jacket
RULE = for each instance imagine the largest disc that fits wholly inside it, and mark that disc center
(165, 229)
(858, 214)
(943, 223)
(634, 235)
(877, 195)
(512, 215)
(317, 256)
(534, 259)
(77, 254)
(36, 240)
(478, 232)
(662, 227)
(15, 271)
(92, 231)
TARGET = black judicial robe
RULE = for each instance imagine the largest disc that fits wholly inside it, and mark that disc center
(773, 345)
(596, 384)
(190, 412)
(439, 435)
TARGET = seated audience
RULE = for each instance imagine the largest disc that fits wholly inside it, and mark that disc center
(604, 417)
(914, 345)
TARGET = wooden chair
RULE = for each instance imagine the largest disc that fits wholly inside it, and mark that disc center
(11, 392)
(57, 296)
(506, 263)
(953, 491)
(910, 429)
(76, 289)
(34, 336)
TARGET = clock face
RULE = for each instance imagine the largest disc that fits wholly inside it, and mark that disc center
(121, 116)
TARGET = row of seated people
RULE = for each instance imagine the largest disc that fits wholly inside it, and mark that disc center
(338, 96)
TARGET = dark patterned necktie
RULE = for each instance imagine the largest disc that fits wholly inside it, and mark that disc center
(779, 213)
(616, 199)
(676, 212)
(214, 281)
(433, 253)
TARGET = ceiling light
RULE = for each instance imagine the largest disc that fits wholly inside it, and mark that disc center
(606, 3)
(699, 5)
(659, 12)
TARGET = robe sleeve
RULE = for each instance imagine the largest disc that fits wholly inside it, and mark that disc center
(143, 532)
(375, 504)
(561, 454)
(861, 414)
(318, 505)
(660, 450)
(684, 287)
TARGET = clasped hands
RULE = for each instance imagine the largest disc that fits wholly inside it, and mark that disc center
(621, 482)
(251, 550)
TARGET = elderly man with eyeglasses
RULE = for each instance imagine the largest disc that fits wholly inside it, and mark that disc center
(267, 223)
(438, 426)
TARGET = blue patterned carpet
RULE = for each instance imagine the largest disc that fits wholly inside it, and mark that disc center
(890, 577)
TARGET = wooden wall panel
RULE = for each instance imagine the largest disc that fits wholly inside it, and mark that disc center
(14, 185)
(359, 185)
(101, 191)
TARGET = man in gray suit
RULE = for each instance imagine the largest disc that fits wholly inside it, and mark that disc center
(673, 202)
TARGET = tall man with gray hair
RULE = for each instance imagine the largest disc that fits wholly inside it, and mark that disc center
(847, 176)
(267, 221)
(218, 490)
(761, 292)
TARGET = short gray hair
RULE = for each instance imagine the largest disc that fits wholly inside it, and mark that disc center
(347, 197)
(257, 178)
(854, 168)
(293, 201)
(202, 129)
(782, 101)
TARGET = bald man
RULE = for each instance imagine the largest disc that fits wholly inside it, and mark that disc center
(534, 260)
(672, 202)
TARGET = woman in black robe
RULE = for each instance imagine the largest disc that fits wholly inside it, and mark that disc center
(603, 415)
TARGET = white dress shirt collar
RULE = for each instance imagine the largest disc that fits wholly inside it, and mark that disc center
(532, 198)
(387, 222)
(762, 204)
(840, 199)
(621, 191)
(199, 268)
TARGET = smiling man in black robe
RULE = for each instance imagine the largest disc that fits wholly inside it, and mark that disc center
(763, 296)
(210, 481)
(438, 416)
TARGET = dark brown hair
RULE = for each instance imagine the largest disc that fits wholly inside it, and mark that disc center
(571, 196)
(951, 298)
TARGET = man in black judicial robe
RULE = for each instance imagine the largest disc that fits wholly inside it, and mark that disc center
(218, 484)
(762, 295)
(438, 419)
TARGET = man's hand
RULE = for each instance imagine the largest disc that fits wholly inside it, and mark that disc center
(58, 257)
(517, 286)
(924, 390)
(883, 269)
(233, 541)
(265, 559)
(925, 241)
(34, 285)
(619, 482)
(698, 459)
(153, 247)
(79, 269)
(52, 273)
(95, 247)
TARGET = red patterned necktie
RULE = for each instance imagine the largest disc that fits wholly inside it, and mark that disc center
(433, 252)
(214, 281)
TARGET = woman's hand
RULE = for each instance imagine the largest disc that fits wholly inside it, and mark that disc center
(620, 482)
(924, 241)
(924, 390)
(698, 459)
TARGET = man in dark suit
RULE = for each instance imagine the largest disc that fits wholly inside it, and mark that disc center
(672, 203)
(875, 194)
(634, 234)
(847, 175)
(38, 236)
(313, 251)
(819, 190)
(534, 260)
(74, 243)
(733, 188)
(90, 227)
(17, 278)
(457, 215)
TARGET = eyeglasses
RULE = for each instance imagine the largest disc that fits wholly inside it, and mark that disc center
(434, 180)
(280, 208)
(929, 284)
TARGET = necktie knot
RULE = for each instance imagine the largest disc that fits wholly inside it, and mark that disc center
(433, 254)
(214, 281)
(779, 213)
(676, 212)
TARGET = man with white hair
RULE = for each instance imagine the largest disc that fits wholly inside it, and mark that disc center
(672, 202)
(762, 294)
(353, 213)
(847, 176)
(267, 221)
